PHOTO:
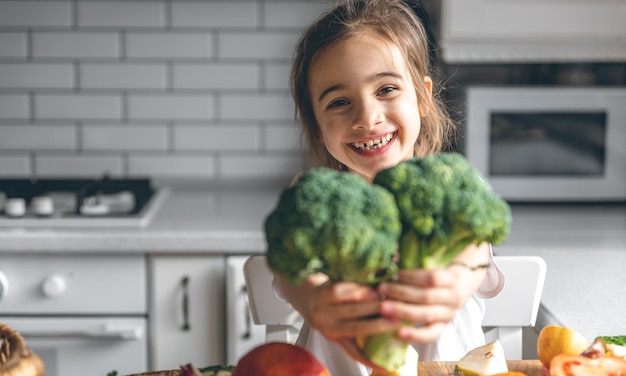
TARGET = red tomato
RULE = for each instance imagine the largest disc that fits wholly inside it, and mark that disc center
(578, 365)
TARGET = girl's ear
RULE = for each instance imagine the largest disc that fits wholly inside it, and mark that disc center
(423, 107)
(428, 83)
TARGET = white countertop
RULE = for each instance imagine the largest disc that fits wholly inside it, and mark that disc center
(585, 250)
(584, 246)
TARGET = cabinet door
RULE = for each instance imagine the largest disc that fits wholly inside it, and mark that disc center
(186, 311)
(242, 334)
(533, 31)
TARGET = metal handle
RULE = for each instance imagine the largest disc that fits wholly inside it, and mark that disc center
(185, 303)
(248, 320)
(4, 285)
(108, 333)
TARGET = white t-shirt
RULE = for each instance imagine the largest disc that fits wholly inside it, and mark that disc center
(461, 335)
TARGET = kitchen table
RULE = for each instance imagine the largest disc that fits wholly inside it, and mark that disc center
(529, 367)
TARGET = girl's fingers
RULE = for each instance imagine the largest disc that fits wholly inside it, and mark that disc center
(347, 292)
(427, 277)
(344, 312)
(416, 295)
(422, 334)
(425, 314)
(353, 328)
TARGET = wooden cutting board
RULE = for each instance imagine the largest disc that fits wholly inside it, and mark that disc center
(529, 367)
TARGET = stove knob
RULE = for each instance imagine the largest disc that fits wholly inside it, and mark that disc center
(42, 206)
(15, 207)
(54, 286)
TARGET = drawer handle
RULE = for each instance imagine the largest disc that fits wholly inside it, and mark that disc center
(108, 333)
(248, 320)
(185, 303)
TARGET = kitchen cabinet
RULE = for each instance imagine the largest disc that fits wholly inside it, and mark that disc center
(186, 310)
(242, 334)
(533, 31)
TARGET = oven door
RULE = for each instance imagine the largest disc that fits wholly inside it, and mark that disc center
(85, 345)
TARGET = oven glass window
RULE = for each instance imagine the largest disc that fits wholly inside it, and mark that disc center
(547, 143)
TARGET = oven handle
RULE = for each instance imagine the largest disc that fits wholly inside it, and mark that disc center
(108, 332)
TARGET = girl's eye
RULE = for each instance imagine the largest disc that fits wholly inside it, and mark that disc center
(387, 89)
(338, 103)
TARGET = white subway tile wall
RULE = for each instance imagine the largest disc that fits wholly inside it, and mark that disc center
(164, 88)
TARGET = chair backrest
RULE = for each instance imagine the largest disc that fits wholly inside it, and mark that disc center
(518, 302)
(506, 314)
(517, 305)
(282, 322)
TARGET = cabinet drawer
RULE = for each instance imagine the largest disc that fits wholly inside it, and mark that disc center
(73, 284)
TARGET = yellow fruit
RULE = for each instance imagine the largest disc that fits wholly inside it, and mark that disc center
(554, 340)
(484, 360)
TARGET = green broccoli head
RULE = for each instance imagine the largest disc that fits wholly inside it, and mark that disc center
(445, 207)
(335, 223)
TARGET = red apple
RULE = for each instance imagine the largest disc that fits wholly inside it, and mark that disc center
(279, 359)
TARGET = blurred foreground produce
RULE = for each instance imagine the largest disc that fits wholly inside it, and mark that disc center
(554, 340)
(607, 346)
(579, 365)
(484, 360)
(565, 352)
(279, 359)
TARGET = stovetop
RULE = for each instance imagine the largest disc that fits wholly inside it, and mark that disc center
(78, 202)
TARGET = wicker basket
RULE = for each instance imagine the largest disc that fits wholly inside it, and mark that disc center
(16, 359)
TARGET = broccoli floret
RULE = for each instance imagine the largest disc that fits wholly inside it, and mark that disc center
(445, 206)
(335, 223)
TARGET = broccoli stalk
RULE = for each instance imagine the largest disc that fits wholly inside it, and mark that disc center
(445, 206)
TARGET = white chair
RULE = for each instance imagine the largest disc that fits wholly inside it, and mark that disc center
(514, 308)
(282, 322)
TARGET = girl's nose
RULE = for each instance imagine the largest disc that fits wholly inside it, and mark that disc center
(367, 116)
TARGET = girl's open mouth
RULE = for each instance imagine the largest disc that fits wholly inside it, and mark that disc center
(373, 144)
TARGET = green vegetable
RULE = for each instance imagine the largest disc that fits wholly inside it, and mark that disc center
(426, 209)
(445, 206)
(217, 370)
(335, 223)
(615, 340)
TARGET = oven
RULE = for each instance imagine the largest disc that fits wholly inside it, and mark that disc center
(82, 314)
(559, 144)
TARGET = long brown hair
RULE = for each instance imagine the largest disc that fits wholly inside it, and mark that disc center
(392, 20)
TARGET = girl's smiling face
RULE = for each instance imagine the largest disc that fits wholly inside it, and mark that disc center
(365, 104)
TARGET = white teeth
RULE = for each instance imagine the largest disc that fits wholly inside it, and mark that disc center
(374, 144)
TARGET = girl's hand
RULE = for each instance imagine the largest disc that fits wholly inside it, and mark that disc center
(342, 311)
(345, 310)
(428, 298)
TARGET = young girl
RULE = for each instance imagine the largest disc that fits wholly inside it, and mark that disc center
(363, 96)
